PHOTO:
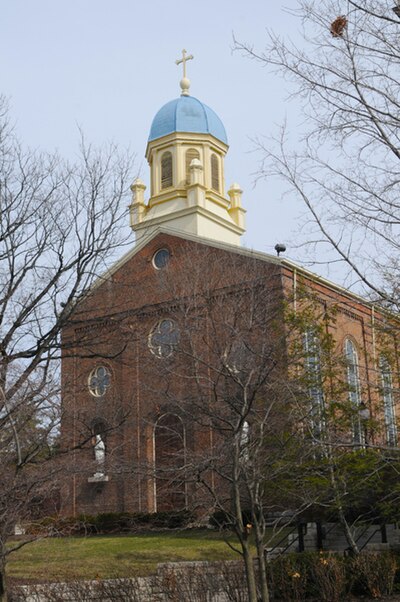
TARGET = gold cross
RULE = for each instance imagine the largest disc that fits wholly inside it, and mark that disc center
(183, 60)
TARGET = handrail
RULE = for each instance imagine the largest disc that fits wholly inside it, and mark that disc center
(286, 536)
(369, 538)
(366, 527)
(327, 532)
(289, 544)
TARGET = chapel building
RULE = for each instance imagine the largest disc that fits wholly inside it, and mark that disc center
(162, 341)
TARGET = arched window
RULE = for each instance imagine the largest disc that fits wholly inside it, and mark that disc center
(314, 381)
(353, 381)
(169, 461)
(245, 442)
(214, 173)
(191, 154)
(388, 402)
(166, 170)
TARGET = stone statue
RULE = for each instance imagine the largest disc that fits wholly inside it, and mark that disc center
(100, 455)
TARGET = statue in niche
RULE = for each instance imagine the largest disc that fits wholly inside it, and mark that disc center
(100, 455)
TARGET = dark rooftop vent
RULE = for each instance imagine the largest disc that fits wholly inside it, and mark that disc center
(279, 248)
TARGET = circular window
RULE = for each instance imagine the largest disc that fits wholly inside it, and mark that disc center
(99, 381)
(164, 338)
(161, 258)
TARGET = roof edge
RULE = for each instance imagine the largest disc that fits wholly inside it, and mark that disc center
(140, 244)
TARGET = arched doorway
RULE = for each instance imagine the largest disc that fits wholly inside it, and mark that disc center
(169, 463)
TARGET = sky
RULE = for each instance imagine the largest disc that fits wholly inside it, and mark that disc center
(108, 66)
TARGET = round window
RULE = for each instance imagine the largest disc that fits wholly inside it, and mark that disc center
(99, 381)
(164, 338)
(161, 258)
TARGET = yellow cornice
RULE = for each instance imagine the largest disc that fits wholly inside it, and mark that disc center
(169, 195)
(159, 220)
(185, 137)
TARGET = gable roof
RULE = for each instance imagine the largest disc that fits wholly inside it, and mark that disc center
(245, 252)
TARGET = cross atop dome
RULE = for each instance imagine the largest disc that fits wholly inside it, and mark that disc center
(185, 82)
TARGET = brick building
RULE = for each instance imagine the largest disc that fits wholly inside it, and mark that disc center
(164, 334)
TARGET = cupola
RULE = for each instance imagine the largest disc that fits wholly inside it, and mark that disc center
(186, 151)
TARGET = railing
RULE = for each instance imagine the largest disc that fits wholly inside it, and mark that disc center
(299, 538)
(369, 538)
(285, 537)
(327, 532)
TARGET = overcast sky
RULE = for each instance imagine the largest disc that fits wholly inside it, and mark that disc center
(107, 66)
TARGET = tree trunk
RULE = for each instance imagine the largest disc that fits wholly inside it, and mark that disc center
(243, 537)
(347, 531)
(343, 521)
(3, 591)
(263, 572)
(249, 568)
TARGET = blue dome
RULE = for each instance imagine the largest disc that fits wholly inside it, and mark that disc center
(187, 114)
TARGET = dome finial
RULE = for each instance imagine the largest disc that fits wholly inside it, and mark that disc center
(185, 82)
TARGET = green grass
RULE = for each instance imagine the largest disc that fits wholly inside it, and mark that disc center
(113, 556)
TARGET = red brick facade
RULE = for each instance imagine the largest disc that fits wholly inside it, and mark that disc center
(115, 327)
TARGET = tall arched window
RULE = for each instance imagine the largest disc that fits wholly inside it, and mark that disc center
(353, 381)
(245, 442)
(214, 173)
(191, 154)
(388, 401)
(169, 461)
(314, 381)
(166, 170)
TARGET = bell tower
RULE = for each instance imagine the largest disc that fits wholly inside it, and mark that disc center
(186, 151)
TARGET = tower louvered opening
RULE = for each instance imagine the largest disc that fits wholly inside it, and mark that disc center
(166, 170)
(215, 185)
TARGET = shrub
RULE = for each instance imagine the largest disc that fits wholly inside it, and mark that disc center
(220, 519)
(288, 576)
(374, 573)
(328, 577)
(171, 520)
(111, 522)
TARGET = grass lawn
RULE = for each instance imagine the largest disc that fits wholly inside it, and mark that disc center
(113, 556)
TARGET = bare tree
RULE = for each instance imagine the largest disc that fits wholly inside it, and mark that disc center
(59, 225)
(227, 381)
(345, 170)
(268, 387)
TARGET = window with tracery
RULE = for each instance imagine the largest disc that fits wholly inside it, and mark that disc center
(166, 170)
(388, 401)
(99, 381)
(314, 381)
(164, 338)
(353, 381)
